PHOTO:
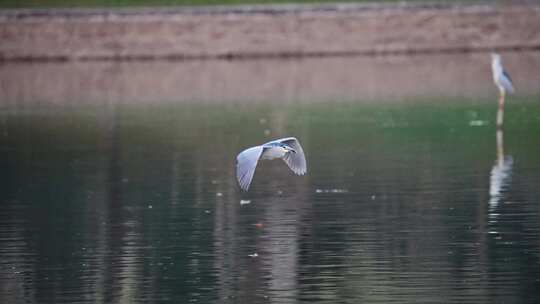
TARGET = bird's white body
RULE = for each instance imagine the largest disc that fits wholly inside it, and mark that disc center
(500, 77)
(274, 152)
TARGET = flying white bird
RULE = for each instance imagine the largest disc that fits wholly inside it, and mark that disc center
(288, 149)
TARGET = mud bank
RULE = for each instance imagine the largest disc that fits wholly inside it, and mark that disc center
(265, 31)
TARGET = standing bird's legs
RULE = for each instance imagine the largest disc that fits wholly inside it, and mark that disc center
(500, 111)
(500, 148)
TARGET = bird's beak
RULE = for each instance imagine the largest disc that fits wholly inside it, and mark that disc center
(292, 150)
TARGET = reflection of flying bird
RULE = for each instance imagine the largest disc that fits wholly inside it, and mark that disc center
(500, 76)
(288, 149)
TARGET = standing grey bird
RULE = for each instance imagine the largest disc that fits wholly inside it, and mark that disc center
(503, 82)
(288, 149)
(500, 76)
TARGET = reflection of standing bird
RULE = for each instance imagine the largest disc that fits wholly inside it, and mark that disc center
(500, 176)
(503, 82)
(288, 149)
(499, 180)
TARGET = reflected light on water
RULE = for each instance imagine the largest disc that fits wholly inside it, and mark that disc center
(362, 79)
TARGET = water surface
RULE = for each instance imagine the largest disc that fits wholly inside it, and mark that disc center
(415, 202)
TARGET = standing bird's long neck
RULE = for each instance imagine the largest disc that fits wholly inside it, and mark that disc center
(496, 68)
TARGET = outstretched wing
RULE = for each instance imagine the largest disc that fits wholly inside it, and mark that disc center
(506, 82)
(246, 162)
(295, 161)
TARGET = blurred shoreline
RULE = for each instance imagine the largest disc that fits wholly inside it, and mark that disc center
(265, 31)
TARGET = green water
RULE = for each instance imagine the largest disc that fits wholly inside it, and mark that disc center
(139, 203)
